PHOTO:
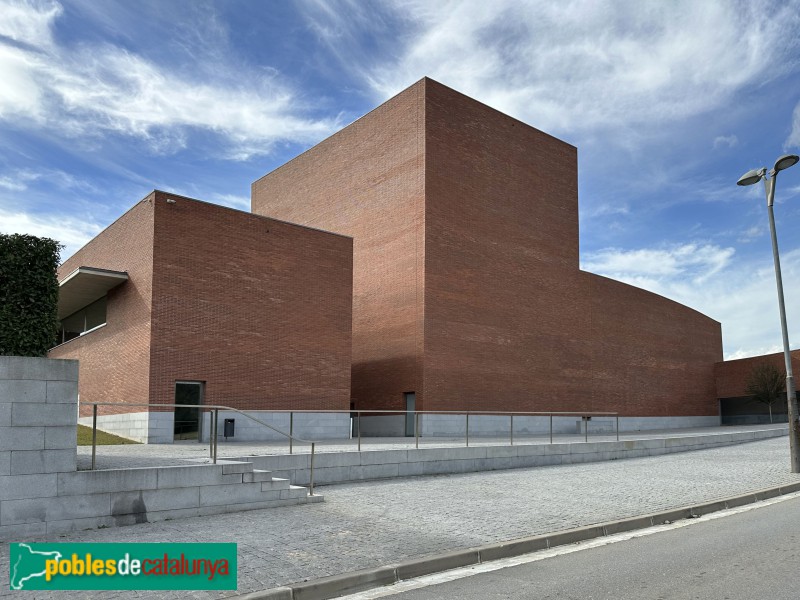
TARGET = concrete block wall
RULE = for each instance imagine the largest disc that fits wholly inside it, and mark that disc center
(38, 416)
(42, 493)
(133, 426)
(443, 425)
(116, 497)
(145, 427)
(339, 467)
(310, 426)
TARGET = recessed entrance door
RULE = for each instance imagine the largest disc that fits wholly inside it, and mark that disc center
(187, 418)
(411, 406)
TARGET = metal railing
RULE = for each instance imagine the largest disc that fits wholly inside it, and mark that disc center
(214, 429)
(214, 424)
(585, 417)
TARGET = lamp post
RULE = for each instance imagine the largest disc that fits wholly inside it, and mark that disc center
(749, 178)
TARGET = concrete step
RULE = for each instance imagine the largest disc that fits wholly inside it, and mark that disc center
(257, 475)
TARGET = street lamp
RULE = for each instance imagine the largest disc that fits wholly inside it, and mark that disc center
(749, 178)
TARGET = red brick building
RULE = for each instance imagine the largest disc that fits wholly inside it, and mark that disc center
(732, 377)
(184, 301)
(467, 291)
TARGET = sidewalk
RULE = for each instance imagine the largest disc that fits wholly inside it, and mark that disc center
(376, 523)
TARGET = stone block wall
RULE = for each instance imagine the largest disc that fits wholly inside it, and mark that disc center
(38, 429)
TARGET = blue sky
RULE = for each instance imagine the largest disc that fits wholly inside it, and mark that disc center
(667, 102)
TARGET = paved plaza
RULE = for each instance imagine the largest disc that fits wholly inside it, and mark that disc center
(375, 523)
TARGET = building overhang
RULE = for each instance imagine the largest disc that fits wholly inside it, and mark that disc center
(85, 285)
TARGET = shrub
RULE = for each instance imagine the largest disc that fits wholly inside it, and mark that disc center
(28, 294)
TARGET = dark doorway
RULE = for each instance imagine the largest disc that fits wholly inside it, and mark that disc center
(411, 407)
(187, 418)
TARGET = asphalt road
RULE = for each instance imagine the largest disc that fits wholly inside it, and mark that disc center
(752, 555)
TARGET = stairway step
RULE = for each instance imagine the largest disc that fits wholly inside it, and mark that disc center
(229, 468)
(257, 475)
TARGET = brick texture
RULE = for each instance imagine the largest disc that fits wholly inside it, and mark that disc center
(731, 376)
(258, 309)
(367, 181)
(467, 288)
(115, 359)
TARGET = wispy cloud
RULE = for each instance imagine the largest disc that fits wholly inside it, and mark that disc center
(70, 231)
(575, 66)
(739, 293)
(731, 141)
(89, 90)
(793, 141)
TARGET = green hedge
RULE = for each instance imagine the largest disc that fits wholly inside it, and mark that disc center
(28, 294)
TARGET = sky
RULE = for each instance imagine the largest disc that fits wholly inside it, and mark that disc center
(668, 103)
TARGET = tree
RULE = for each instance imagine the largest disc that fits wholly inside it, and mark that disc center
(766, 384)
(28, 294)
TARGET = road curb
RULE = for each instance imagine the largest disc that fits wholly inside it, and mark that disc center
(355, 581)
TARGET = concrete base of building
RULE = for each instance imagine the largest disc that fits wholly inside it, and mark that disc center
(494, 425)
(304, 425)
(340, 467)
(145, 427)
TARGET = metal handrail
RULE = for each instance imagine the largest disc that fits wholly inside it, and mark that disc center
(585, 416)
(213, 434)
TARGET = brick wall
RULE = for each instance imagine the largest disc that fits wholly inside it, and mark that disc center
(731, 375)
(115, 359)
(367, 181)
(648, 356)
(467, 287)
(502, 297)
(258, 309)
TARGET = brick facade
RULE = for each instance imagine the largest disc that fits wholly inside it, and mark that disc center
(115, 359)
(731, 376)
(467, 288)
(258, 309)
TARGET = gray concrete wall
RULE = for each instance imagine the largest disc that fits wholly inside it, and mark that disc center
(339, 467)
(38, 416)
(41, 493)
(115, 497)
(134, 426)
(310, 426)
(433, 425)
(145, 427)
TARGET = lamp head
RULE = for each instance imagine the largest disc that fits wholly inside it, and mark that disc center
(752, 177)
(786, 161)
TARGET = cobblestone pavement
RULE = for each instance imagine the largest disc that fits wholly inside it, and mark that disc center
(150, 455)
(375, 523)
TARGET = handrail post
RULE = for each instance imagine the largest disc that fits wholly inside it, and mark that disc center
(551, 428)
(211, 434)
(586, 429)
(216, 433)
(359, 430)
(512, 429)
(291, 430)
(617, 427)
(311, 474)
(416, 429)
(467, 429)
(94, 434)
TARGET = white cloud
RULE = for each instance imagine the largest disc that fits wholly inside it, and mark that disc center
(70, 231)
(90, 90)
(234, 201)
(731, 141)
(738, 293)
(29, 22)
(751, 234)
(793, 141)
(691, 261)
(576, 65)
